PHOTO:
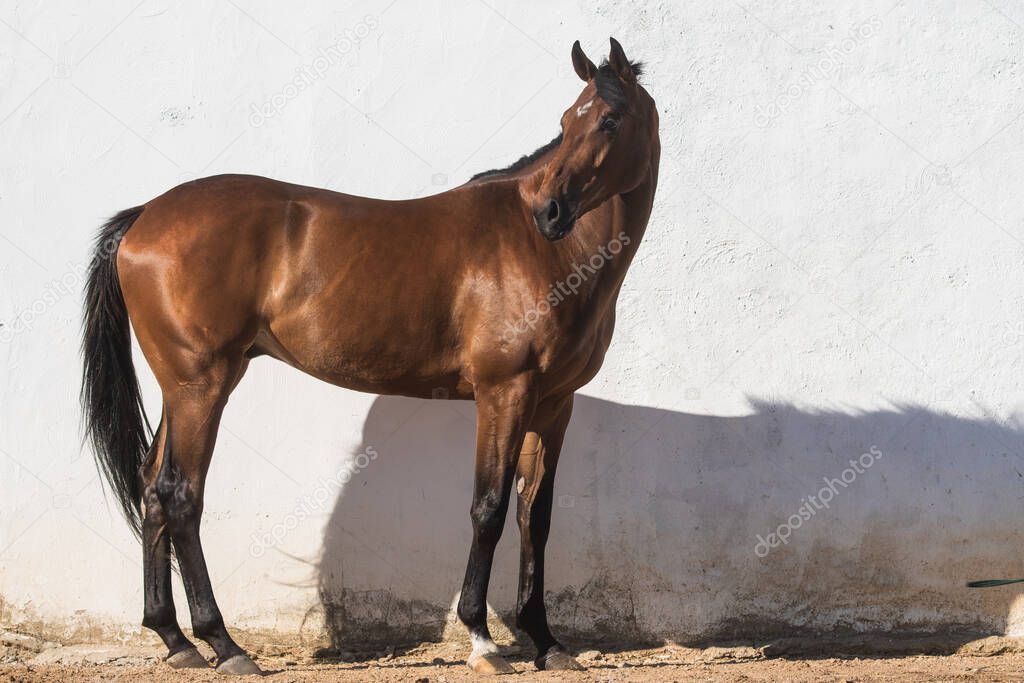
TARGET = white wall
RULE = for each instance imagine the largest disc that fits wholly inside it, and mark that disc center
(834, 264)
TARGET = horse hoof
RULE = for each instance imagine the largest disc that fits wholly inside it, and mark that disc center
(187, 659)
(239, 665)
(490, 664)
(558, 660)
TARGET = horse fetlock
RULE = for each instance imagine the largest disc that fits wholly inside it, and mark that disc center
(535, 625)
(155, 617)
(472, 612)
(208, 626)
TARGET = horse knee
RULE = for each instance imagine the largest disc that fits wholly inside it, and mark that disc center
(488, 516)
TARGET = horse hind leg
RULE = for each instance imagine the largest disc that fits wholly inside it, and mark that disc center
(159, 614)
(192, 411)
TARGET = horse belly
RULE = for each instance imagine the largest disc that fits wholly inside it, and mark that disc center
(379, 354)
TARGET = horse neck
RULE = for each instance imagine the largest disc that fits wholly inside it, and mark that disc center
(605, 241)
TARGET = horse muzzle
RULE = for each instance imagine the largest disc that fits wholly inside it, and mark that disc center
(555, 218)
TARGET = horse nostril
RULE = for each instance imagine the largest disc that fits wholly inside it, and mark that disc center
(553, 210)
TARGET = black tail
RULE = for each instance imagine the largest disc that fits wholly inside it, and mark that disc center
(115, 420)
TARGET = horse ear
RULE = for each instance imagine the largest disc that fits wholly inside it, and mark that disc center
(619, 63)
(585, 68)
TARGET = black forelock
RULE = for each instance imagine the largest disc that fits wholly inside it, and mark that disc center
(609, 85)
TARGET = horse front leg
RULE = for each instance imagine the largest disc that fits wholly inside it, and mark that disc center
(502, 414)
(535, 484)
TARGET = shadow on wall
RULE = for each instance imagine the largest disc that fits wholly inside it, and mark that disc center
(663, 525)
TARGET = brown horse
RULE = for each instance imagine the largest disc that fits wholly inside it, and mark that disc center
(502, 291)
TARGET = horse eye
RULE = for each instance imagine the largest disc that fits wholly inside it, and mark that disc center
(609, 124)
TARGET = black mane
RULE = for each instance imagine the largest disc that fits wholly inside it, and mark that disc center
(523, 161)
(609, 89)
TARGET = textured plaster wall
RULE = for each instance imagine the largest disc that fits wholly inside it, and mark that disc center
(833, 269)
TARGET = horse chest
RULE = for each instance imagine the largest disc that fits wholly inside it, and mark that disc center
(571, 365)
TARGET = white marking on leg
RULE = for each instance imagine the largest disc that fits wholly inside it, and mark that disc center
(481, 645)
(521, 485)
(584, 108)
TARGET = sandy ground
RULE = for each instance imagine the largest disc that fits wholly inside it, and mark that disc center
(992, 659)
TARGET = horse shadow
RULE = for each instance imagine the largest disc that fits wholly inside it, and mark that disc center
(663, 526)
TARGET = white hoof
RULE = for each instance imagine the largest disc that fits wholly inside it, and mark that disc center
(489, 664)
